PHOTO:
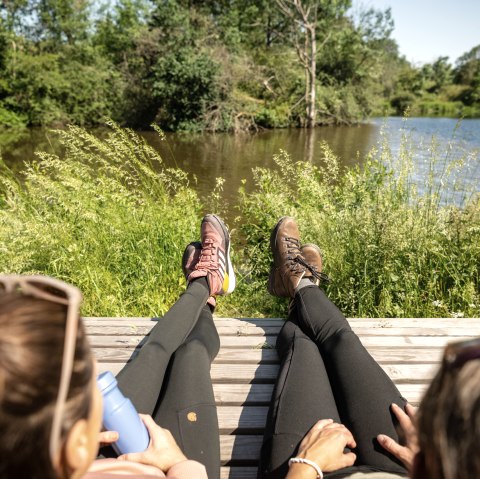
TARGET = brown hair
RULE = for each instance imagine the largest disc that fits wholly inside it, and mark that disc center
(449, 424)
(32, 333)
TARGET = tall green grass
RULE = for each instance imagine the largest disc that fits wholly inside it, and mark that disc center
(107, 216)
(389, 250)
(110, 218)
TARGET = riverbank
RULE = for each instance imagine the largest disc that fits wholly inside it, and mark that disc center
(111, 218)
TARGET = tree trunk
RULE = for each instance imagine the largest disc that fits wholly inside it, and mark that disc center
(312, 74)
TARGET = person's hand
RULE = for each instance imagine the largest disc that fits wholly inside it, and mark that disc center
(105, 438)
(406, 420)
(324, 444)
(162, 452)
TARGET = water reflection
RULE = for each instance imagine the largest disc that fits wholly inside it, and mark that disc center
(208, 156)
(232, 157)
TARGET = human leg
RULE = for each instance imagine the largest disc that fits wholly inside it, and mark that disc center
(187, 404)
(302, 395)
(209, 273)
(362, 390)
(141, 379)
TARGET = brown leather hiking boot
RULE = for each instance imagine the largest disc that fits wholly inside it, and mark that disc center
(313, 257)
(286, 271)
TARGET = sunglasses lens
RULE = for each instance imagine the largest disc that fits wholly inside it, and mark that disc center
(46, 288)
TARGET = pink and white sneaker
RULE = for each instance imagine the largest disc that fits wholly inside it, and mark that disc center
(214, 262)
(190, 258)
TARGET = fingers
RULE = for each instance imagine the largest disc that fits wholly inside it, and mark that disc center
(348, 459)
(391, 446)
(411, 411)
(351, 443)
(319, 425)
(404, 420)
(108, 437)
(150, 424)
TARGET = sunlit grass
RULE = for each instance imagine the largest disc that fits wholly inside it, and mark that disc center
(390, 250)
(109, 217)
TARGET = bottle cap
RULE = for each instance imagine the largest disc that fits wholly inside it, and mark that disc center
(106, 381)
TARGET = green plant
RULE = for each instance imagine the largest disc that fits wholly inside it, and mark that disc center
(391, 251)
(110, 218)
(107, 216)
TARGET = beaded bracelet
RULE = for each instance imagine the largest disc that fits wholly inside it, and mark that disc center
(301, 460)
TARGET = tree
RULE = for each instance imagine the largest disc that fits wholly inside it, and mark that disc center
(467, 72)
(310, 24)
(60, 22)
(438, 74)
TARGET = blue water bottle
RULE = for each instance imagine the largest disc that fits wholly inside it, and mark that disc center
(120, 415)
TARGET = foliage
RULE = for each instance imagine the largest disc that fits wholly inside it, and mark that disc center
(110, 218)
(438, 89)
(390, 251)
(215, 65)
(212, 65)
(107, 216)
(184, 87)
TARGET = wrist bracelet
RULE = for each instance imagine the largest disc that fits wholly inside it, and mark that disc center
(301, 460)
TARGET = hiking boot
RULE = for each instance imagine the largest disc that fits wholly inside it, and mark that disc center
(214, 262)
(287, 269)
(314, 264)
(190, 258)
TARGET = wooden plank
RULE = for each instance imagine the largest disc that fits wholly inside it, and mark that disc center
(225, 356)
(390, 355)
(246, 420)
(241, 373)
(242, 394)
(252, 373)
(244, 448)
(142, 330)
(238, 473)
(411, 341)
(108, 327)
(257, 342)
(241, 322)
(260, 394)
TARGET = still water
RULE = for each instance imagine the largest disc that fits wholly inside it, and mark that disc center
(208, 156)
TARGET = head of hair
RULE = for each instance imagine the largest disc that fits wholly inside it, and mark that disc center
(32, 333)
(449, 424)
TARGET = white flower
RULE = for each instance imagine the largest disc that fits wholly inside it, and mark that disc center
(437, 303)
(457, 314)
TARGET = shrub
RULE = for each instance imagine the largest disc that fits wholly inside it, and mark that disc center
(390, 251)
(110, 218)
(107, 216)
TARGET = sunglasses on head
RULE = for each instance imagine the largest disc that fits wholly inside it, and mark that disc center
(457, 354)
(56, 291)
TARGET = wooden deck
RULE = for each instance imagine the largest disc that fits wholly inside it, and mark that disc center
(409, 350)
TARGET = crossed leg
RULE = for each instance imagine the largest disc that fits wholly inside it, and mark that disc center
(323, 362)
(170, 377)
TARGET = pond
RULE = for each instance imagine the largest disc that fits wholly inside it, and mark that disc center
(208, 156)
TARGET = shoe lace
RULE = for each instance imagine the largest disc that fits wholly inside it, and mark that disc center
(322, 277)
(208, 257)
(293, 251)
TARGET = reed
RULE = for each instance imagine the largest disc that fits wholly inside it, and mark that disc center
(108, 216)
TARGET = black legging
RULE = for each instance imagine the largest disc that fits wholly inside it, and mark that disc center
(326, 373)
(170, 377)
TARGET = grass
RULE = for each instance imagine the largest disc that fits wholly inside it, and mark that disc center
(107, 216)
(110, 218)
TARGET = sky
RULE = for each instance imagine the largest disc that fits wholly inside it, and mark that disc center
(428, 29)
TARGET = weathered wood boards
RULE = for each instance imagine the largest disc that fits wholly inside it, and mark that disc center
(243, 373)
